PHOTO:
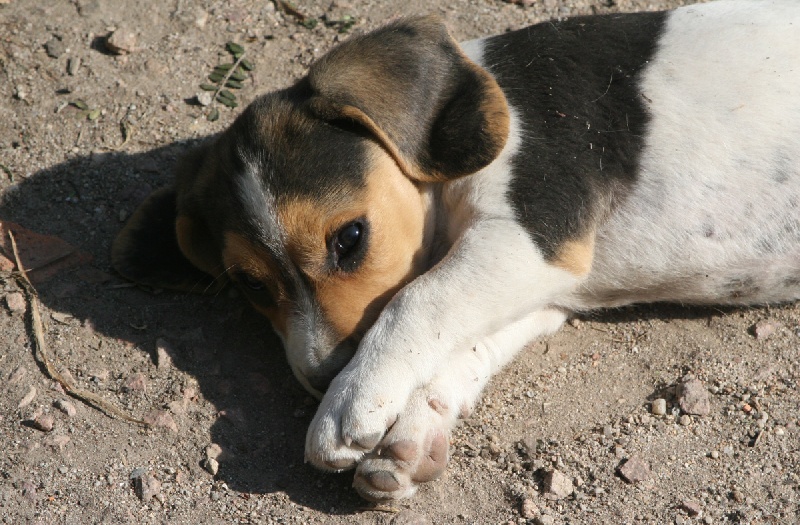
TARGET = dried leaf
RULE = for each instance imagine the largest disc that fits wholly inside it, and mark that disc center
(213, 115)
(80, 104)
(93, 114)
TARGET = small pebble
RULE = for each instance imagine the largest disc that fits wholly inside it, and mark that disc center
(634, 470)
(685, 420)
(146, 486)
(43, 422)
(764, 329)
(557, 485)
(693, 398)
(15, 302)
(205, 98)
(55, 47)
(211, 465)
(164, 353)
(738, 497)
(17, 375)
(692, 508)
(545, 519)
(73, 65)
(714, 454)
(201, 17)
(20, 92)
(98, 376)
(528, 509)
(58, 442)
(659, 407)
(65, 406)
(122, 41)
(135, 383)
(160, 418)
(28, 398)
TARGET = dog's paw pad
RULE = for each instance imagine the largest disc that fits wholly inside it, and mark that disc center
(396, 469)
(433, 463)
(380, 481)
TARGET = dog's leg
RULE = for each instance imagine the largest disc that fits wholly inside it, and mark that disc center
(415, 449)
(492, 277)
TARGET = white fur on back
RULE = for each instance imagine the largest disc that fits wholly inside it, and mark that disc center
(715, 214)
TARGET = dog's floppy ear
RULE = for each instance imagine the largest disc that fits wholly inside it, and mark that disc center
(439, 114)
(160, 248)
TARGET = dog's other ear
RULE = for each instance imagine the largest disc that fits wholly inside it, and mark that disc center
(152, 247)
(439, 114)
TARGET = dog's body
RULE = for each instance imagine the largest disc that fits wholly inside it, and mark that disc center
(412, 213)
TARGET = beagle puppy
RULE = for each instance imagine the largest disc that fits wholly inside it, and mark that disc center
(414, 211)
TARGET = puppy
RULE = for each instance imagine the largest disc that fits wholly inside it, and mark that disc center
(413, 212)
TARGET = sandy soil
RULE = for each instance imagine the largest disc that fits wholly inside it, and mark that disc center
(578, 402)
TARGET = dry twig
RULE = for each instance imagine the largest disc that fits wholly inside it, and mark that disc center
(86, 397)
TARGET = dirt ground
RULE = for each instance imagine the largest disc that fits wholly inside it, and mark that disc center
(579, 402)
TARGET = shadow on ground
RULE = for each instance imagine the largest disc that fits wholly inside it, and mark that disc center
(231, 352)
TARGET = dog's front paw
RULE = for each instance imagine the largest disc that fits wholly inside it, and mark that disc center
(351, 420)
(414, 451)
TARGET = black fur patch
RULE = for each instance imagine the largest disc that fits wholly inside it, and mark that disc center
(146, 251)
(574, 86)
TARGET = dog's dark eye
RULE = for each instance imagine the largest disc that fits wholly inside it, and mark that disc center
(347, 239)
(250, 282)
(348, 245)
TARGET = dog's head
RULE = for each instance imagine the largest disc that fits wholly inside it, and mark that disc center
(316, 202)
